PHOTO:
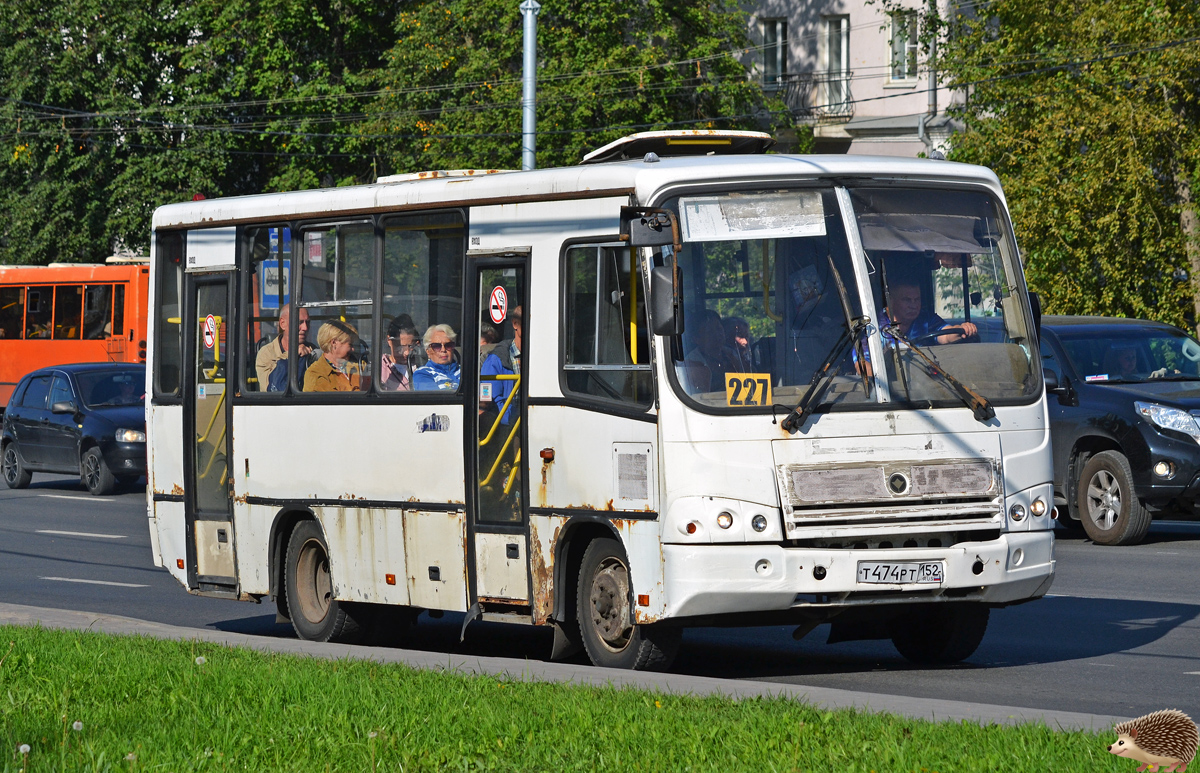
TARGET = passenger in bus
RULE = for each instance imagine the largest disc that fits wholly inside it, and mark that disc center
(442, 372)
(334, 372)
(709, 349)
(271, 362)
(737, 338)
(404, 358)
(905, 311)
(490, 341)
(517, 319)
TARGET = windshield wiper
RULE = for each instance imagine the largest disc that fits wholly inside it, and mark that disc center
(823, 376)
(978, 404)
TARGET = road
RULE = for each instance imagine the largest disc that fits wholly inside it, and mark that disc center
(1119, 634)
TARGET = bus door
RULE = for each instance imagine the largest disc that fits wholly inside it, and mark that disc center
(499, 523)
(206, 442)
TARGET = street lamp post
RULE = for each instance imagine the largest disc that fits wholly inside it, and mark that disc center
(529, 9)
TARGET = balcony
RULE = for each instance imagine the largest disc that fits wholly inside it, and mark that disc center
(816, 97)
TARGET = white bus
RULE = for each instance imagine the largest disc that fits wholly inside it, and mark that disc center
(680, 400)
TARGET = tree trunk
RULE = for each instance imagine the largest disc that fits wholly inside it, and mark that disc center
(1189, 221)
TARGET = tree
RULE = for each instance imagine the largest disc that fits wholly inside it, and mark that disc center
(1087, 111)
(452, 83)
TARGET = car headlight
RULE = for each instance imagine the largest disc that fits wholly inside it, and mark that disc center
(1169, 418)
(131, 436)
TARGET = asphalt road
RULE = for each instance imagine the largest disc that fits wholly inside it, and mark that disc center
(1119, 634)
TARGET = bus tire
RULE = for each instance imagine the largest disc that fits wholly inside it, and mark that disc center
(96, 476)
(939, 633)
(15, 474)
(604, 609)
(1109, 508)
(315, 614)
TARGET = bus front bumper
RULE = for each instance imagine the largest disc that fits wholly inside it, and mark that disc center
(703, 580)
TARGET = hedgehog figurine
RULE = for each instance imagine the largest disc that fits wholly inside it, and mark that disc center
(1166, 737)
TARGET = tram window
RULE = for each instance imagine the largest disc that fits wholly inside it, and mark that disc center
(607, 351)
(40, 304)
(422, 279)
(97, 312)
(339, 265)
(12, 312)
(268, 295)
(168, 345)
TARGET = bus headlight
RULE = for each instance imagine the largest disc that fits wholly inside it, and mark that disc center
(724, 520)
(131, 436)
(759, 522)
(1017, 512)
(1038, 506)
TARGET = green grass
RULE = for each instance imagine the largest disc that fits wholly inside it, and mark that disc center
(149, 705)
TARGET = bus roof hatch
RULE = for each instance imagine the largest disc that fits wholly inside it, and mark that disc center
(692, 142)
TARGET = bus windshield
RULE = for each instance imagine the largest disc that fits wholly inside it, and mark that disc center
(765, 314)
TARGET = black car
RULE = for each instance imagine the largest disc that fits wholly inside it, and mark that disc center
(87, 420)
(1124, 398)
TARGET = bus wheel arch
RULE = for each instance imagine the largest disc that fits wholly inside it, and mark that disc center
(604, 609)
(572, 542)
(316, 614)
(281, 531)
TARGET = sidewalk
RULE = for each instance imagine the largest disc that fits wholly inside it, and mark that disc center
(830, 698)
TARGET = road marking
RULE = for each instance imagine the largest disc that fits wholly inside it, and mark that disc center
(1106, 665)
(77, 499)
(1193, 673)
(81, 534)
(95, 582)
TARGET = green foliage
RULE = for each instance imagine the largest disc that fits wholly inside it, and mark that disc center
(1087, 111)
(109, 113)
(144, 704)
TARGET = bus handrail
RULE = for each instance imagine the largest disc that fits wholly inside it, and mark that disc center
(500, 456)
(516, 387)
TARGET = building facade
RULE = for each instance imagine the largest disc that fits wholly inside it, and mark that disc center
(853, 70)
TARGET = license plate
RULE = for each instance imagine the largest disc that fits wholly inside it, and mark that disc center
(900, 572)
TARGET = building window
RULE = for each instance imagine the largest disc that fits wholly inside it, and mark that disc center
(837, 60)
(904, 45)
(775, 52)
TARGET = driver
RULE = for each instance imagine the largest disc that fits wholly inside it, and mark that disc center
(904, 311)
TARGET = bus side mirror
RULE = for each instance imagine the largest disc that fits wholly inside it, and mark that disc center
(666, 312)
(647, 227)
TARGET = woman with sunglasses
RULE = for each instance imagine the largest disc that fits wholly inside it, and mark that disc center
(442, 372)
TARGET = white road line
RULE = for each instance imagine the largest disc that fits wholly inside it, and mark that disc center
(1193, 673)
(77, 499)
(81, 534)
(95, 582)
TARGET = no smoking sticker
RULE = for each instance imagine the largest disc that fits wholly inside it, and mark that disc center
(498, 305)
(210, 331)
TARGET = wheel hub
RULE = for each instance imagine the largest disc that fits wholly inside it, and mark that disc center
(610, 604)
(1104, 499)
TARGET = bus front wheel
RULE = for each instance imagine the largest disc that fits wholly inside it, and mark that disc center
(15, 474)
(940, 633)
(604, 608)
(315, 614)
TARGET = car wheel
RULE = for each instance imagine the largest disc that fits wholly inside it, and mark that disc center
(1110, 511)
(15, 474)
(315, 614)
(604, 609)
(96, 475)
(940, 633)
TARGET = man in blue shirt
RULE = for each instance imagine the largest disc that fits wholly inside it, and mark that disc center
(905, 312)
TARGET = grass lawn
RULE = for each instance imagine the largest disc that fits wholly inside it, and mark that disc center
(92, 702)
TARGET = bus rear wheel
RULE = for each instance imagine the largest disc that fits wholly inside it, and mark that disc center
(604, 609)
(940, 633)
(15, 474)
(315, 614)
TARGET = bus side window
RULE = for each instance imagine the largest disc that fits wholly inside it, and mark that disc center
(268, 296)
(68, 312)
(97, 312)
(118, 321)
(168, 344)
(40, 304)
(339, 270)
(607, 353)
(12, 312)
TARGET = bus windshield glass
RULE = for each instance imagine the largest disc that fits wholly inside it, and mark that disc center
(763, 279)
